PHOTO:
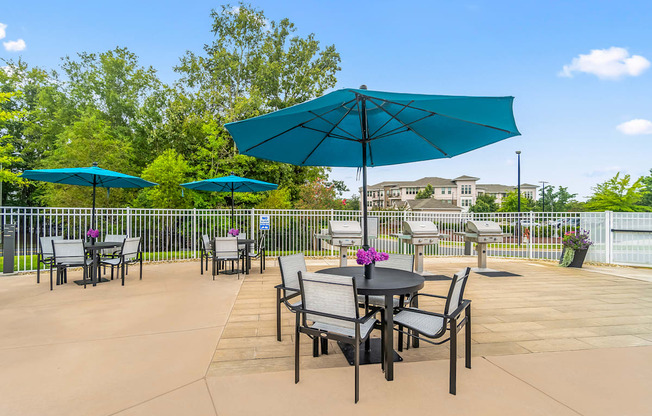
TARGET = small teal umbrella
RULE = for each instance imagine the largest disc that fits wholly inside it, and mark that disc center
(360, 128)
(231, 184)
(92, 176)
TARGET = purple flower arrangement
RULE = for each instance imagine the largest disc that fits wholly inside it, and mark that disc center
(576, 240)
(234, 232)
(92, 233)
(370, 256)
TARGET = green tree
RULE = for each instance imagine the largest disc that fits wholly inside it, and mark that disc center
(425, 193)
(169, 170)
(558, 200)
(617, 194)
(278, 199)
(646, 198)
(485, 203)
(8, 156)
(353, 203)
(317, 195)
(510, 203)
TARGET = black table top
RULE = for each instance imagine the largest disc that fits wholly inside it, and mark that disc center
(385, 281)
(100, 245)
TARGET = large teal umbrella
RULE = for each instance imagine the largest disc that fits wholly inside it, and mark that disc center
(231, 184)
(92, 176)
(360, 128)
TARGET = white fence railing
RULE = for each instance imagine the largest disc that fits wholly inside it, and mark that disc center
(168, 234)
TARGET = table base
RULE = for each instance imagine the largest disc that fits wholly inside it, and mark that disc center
(90, 282)
(366, 357)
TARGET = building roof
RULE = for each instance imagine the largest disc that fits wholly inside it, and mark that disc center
(431, 204)
(432, 180)
(495, 188)
(466, 178)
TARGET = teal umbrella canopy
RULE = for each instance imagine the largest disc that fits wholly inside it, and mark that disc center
(360, 128)
(395, 128)
(231, 184)
(91, 176)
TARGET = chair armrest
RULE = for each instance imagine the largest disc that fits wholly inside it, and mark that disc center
(372, 313)
(421, 311)
(327, 315)
(456, 313)
(426, 294)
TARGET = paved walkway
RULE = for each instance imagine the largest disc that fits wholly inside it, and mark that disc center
(177, 343)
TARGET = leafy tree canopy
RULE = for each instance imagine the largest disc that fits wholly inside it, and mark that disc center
(617, 194)
(510, 203)
(425, 193)
(485, 203)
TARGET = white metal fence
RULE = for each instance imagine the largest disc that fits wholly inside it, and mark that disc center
(619, 238)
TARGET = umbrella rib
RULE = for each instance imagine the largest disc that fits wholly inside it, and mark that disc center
(336, 136)
(392, 116)
(326, 135)
(294, 127)
(415, 132)
(335, 125)
(404, 125)
(444, 115)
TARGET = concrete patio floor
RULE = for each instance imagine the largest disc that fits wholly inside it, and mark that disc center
(550, 341)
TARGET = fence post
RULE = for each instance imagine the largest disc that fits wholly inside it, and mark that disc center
(194, 233)
(608, 236)
(129, 222)
(529, 240)
(332, 219)
(251, 223)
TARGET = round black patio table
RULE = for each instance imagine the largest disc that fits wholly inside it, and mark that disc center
(385, 282)
(94, 248)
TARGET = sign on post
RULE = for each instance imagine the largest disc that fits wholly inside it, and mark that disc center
(264, 222)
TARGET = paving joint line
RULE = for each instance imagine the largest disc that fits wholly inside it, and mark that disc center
(534, 387)
(155, 397)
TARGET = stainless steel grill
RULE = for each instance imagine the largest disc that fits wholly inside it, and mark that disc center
(482, 233)
(420, 234)
(342, 234)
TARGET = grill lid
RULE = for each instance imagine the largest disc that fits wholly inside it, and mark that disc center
(483, 227)
(420, 228)
(344, 229)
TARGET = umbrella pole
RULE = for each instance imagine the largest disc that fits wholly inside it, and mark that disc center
(365, 136)
(93, 212)
(232, 214)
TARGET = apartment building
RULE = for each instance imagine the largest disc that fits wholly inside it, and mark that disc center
(461, 191)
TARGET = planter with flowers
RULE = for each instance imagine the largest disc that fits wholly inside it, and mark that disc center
(234, 232)
(575, 246)
(92, 235)
(368, 259)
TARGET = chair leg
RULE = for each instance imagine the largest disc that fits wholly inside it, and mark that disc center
(453, 357)
(400, 338)
(278, 314)
(141, 269)
(123, 273)
(357, 370)
(201, 263)
(296, 350)
(50, 276)
(467, 338)
(324, 346)
(38, 268)
(315, 347)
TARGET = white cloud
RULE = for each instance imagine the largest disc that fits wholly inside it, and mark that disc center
(15, 45)
(3, 31)
(636, 127)
(609, 170)
(613, 63)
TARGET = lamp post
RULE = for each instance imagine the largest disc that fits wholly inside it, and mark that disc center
(518, 219)
(543, 198)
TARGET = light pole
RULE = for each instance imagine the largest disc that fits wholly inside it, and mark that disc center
(543, 198)
(518, 220)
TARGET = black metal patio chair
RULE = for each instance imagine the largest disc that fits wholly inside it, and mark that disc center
(205, 252)
(425, 325)
(130, 253)
(67, 254)
(225, 249)
(45, 255)
(329, 310)
(257, 252)
(289, 288)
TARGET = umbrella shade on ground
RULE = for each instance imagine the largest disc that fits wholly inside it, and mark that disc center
(92, 176)
(231, 184)
(360, 128)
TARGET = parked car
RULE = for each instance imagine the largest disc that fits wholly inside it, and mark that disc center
(526, 223)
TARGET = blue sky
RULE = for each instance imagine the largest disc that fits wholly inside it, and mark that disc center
(570, 124)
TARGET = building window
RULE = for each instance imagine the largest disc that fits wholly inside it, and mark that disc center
(529, 194)
(449, 191)
(466, 202)
(466, 190)
(443, 191)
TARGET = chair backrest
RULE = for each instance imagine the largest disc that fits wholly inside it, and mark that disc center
(328, 293)
(131, 248)
(261, 242)
(398, 261)
(456, 291)
(46, 245)
(69, 252)
(242, 236)
(115, 238)
(290, 267)
(206, 242)
(226, 247)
